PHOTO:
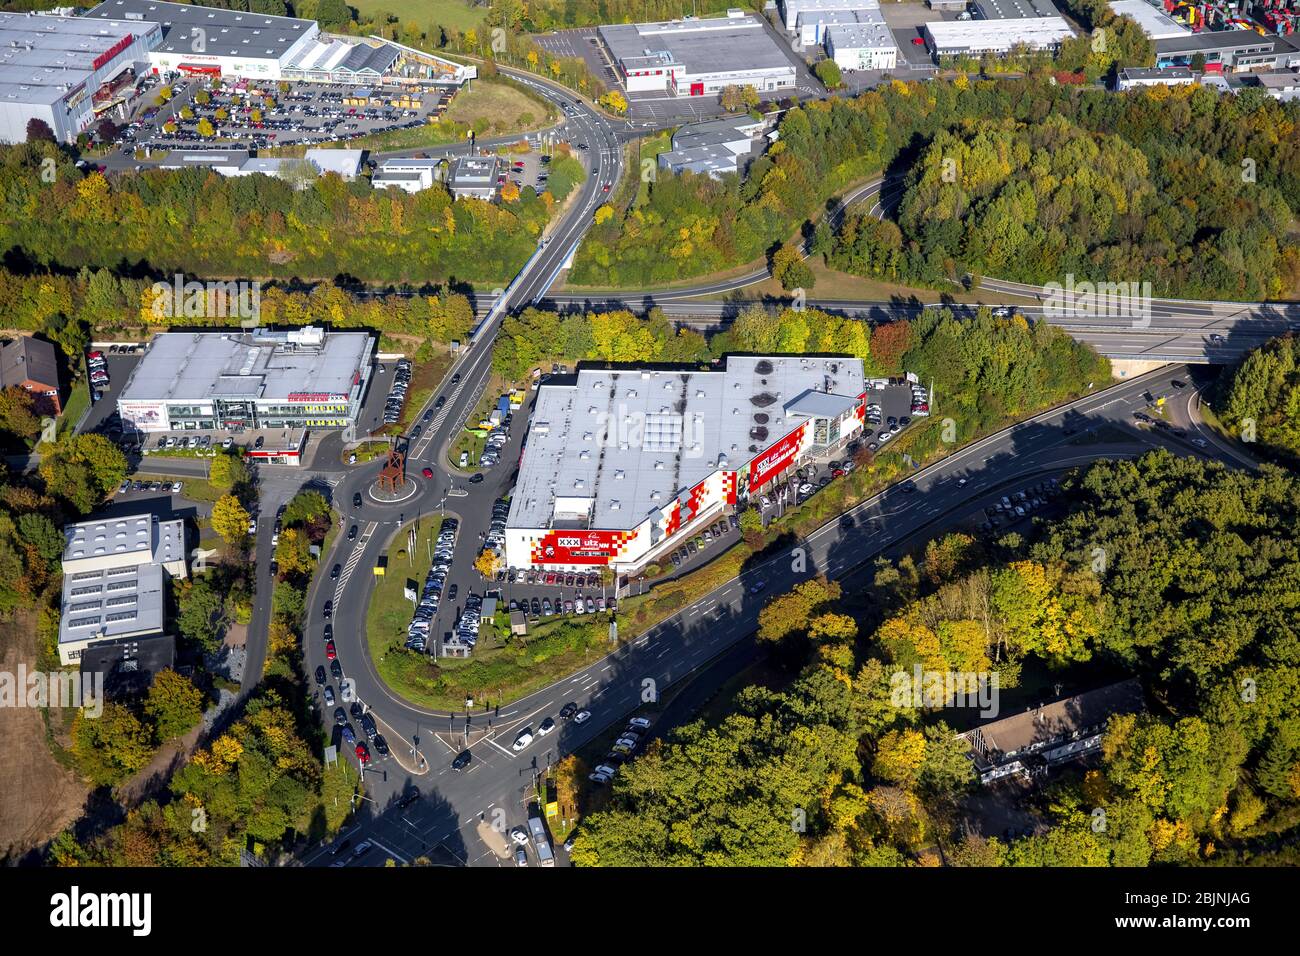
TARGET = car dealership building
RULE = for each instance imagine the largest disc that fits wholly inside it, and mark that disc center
(303, 378)
(621, 465)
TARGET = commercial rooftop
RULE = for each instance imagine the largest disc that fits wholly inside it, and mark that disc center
(795, 10)
(261, 365)
(1014, 9)
(338, 55)
(43, 57)
(618, 445)
(473, 172)
(715, 146)
(1168, 74)
(1039, 33)
(713, 45)
(113, 575)
(1154, 22)
(869, 31)
(225, 32)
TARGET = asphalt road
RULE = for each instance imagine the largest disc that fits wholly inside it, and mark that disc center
(454, 808)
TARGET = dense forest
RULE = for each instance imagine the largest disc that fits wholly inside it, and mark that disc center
(1197, 594)
(1210, 176)
(1259, 399)
(201, 223)
(1039, 201)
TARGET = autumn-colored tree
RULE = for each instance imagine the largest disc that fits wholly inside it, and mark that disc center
(293, 552)
(229, 519)
(900, 755)
(174, 704)
(487, 563)
(791, 613)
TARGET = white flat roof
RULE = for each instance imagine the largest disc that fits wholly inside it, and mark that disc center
(1032, 32)
(113, 575)
(1154, 22)
(621, 444)
(263, 365)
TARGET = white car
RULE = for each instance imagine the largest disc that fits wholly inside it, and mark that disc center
(805, 489)
(523, 740)
(252, 526)
(582, 716)
(519, 835)
(607, 770)
(228, 443)
(599, 778)
(177, 486)
(346, 692)
(642, 722)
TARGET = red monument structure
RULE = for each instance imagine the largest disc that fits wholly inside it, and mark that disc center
(393, 475)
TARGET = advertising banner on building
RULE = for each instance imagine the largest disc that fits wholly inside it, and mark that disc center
(776, 459)
(581, 547)
(145, 416)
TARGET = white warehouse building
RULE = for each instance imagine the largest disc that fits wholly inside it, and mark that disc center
(698, 57)
(53, 67)
(976, 37)
(621, 465)
(865, 45)
(209, 41)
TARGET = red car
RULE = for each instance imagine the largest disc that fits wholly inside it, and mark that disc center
(605, 188)
(837, 473)
(428, 472)
(918, 41)
(550, 577)
(363, 753)
(330, 652)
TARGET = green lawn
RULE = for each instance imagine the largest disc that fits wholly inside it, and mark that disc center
(444, 13)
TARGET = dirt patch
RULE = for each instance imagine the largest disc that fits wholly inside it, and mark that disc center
(38, 796)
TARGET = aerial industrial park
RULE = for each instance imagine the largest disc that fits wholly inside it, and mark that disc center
(836, 435)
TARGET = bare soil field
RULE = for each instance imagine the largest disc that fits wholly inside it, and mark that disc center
(38, 796)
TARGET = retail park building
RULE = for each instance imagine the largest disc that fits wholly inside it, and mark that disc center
(621, 465)
(304, 378)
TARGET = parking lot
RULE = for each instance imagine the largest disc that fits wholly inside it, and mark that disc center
(246, 115)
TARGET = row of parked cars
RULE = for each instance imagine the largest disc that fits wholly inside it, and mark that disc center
(97, 367)
(471, 619)
(496, 440)
(495, 539)
(702, 540)
(397, 394)
(538, 608)
(417, 632)
(632, 737)
(556, 578)
(174, 487)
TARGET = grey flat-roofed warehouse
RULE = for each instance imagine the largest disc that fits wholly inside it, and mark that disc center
(51, 67)
(1014, 9)
(261, 365)
(698, 50)
(690, 424)
(234, 33)
(698, 57)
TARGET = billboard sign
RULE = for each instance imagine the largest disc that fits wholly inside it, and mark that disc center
(580, 547)
(776, 459)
